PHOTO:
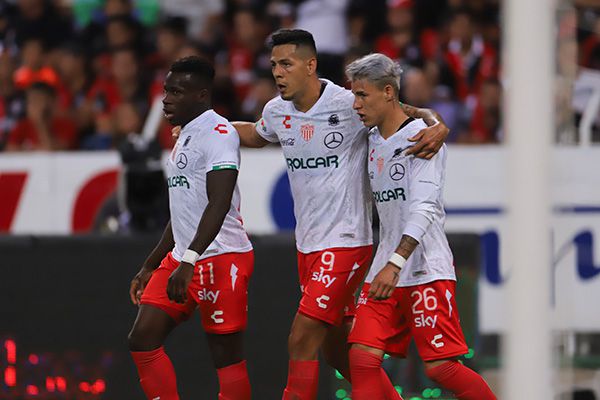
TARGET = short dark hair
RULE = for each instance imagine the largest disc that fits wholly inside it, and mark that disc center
(299, 37)
(199, 67)
(40, 86)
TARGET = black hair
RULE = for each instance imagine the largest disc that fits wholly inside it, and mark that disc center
(299, 37)
(40, 86)
(200, 68)
(174, 25)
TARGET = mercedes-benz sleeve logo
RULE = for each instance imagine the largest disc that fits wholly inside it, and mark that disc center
(181, 161)
(397, 171)
(333, 140)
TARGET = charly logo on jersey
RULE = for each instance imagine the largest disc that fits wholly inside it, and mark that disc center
(333, 120)
(178, 181)
(333, 140)
(181, 161)
(397, 171)
(307, 131)
(287, 142)
(312, 162)
(286, 122)
(383, 196)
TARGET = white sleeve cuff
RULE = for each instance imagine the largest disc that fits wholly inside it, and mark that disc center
(417, 226)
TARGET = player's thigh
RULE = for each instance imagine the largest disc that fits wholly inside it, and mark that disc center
(381, 324)
(220, 286)
(434, 320)
(331, 282)
(155, 292)
(150, 329)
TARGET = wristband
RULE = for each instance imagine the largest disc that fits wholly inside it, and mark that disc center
(397, 260)
(190, 257)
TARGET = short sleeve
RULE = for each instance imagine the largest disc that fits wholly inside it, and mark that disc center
(221, 149)
(264, 127)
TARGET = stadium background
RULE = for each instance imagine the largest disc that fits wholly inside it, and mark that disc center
(82, 194)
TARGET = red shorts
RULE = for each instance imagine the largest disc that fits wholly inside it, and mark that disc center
(328, 281)
(219, 288)
(427, 313)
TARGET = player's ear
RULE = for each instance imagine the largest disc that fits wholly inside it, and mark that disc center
(204, 96)
(311, 65)
(388, 92)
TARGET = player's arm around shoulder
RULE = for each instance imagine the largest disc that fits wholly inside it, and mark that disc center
(428, 140)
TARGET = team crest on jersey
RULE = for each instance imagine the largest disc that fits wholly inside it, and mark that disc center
(380, 162)
(333, 120)
(307, 131)
(187, 140)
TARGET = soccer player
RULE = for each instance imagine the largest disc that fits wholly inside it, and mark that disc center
(204, 258)
(325, 149)
(410, 288)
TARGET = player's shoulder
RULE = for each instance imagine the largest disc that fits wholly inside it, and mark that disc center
(412, 127)
(274, 106)
(219, 130)
(338, 94)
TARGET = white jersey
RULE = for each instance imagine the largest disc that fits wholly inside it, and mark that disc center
(207, 143)
(325, 151)
(408, 194)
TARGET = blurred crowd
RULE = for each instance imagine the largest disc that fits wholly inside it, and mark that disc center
(82, 74)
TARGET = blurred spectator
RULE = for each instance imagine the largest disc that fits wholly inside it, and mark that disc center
(468, 58)
(263, 90)
(419, 89)
(204, 17)
(75, 82)
(7, 30)
(42, 128)
(126, 120)
(326, 20)
(399, 42)
(33, 66)
(40, 19)
(12, 103)
(247, 50)
(124, 84)
(487, 117)
(591, 46)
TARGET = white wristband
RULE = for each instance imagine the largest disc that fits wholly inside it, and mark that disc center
(190, 257)
(397, 260)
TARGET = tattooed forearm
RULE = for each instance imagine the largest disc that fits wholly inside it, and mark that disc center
(407, 246)
(429, 116)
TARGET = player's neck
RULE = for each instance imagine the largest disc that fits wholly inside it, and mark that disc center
(390, 125)
(309, 96)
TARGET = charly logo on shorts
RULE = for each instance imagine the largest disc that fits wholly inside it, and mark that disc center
(181, 161)
(333, 140)
(397, 171)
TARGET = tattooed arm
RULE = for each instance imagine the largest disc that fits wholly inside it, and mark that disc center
(429, 140)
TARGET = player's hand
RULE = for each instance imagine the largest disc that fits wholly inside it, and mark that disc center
(176, 131)
(385, 281)
(138, 284)
(179, 281)
(429, 140)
